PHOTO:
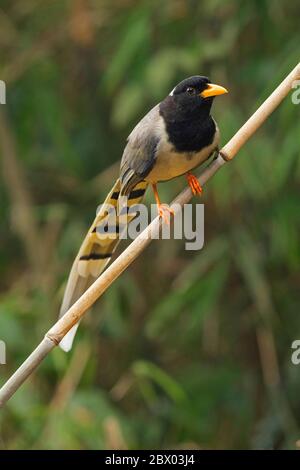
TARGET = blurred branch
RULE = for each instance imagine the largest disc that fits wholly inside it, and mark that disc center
(252, 270)
(81, 25)
(70, 381)
(22, 217)
(77, 311)
(113, 434)
(23, 9)
(40, 48)
(66, 387)
(8, 32)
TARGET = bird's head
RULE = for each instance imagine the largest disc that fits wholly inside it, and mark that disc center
(195, 94)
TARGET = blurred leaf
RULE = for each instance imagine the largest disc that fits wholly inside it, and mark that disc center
(143, 369)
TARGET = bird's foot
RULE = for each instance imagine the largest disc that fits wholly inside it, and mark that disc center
(194, 184)
(165, 212)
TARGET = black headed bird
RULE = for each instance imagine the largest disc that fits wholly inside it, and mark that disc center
(176, 136)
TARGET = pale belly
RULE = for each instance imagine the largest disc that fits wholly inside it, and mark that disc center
(170, 164)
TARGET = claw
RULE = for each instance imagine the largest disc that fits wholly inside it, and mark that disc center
(194, 184)
(165, 212)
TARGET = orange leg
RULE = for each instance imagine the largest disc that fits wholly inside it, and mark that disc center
(194, 184)
(164, 210)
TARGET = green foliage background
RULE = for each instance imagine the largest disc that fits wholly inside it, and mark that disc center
(187, 349)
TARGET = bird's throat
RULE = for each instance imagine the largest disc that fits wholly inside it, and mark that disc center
(192, 135)
(189, 129)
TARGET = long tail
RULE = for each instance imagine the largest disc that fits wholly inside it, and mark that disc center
(97, 249)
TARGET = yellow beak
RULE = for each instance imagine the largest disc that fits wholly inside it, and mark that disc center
(213, 90)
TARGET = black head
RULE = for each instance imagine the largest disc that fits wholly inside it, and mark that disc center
(194, 95)
(192, 86)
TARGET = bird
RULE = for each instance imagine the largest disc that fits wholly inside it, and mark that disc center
(173, 138)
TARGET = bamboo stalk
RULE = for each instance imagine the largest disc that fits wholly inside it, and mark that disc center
(260, 115)
(77, 311)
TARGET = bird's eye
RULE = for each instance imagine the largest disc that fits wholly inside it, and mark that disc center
(190, 90)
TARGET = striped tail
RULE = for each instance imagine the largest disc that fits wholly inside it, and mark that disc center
(97, 249)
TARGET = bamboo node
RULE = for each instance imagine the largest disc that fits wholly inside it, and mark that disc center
(53, 338)
(224, 156)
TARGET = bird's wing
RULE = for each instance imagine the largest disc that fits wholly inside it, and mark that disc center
(140, 152)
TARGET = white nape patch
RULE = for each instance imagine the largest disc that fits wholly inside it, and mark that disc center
(172, 92)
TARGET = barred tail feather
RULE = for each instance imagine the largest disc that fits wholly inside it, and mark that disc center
(97, 249)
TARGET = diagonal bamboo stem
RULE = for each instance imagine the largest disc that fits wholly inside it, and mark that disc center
(77, 311)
